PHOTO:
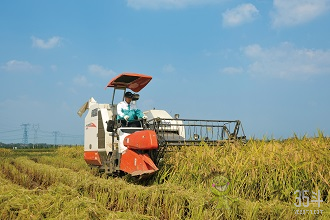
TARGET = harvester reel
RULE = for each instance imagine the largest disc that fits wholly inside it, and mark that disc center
(225, 134)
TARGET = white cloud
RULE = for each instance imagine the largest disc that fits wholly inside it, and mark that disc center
(294, 12)
(232, 70)
(286, 61)
(17, 66)
(169, 68)
(100, 71)
(82, 81)
(167, 4)
(60, 83)
(51, 43)
(53, 68)
(243, 13)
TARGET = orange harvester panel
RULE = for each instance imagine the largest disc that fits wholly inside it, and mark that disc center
(92, 158)
(136, 164)
(141, 140)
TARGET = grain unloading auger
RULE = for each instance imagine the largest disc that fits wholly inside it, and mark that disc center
(114, 148)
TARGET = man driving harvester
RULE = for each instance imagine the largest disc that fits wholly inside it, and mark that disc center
(127, 112)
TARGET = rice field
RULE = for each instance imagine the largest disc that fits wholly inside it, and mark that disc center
(262, 177)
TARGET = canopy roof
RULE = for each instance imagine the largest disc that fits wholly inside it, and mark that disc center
(133, 81)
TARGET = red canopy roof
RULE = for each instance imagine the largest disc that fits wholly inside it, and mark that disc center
(133, 81)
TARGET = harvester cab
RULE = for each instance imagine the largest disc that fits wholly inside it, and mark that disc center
(114, 148)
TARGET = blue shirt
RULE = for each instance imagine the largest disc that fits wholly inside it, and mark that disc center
(123, 108)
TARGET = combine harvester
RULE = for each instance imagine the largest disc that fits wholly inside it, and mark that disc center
(115, 149)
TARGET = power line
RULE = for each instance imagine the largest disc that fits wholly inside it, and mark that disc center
(56, 133)
(35, 128)
(25, 140)
(1, 132)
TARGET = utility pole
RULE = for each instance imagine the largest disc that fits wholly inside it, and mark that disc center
(25, 140)
(35, 128)
(56, 134)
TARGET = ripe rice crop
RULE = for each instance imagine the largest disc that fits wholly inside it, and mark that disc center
(262, 174)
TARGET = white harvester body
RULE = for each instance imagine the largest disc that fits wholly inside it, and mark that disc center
(114, 148)
(96, 136)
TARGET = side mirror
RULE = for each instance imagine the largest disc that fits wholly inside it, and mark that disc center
(110, 125)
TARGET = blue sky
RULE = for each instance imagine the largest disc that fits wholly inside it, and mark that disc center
(266, 63)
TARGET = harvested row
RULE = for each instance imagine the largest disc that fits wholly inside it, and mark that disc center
(165, 201)
(74, 164)
(64, 157)
(58, 202)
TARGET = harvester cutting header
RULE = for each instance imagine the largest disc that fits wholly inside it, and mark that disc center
(116, 143)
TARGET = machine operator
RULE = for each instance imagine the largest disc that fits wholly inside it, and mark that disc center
(127, 112)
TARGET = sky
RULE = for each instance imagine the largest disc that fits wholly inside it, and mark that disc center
(266, 63)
